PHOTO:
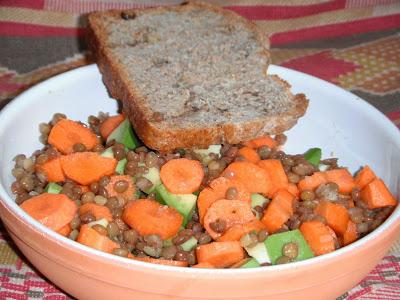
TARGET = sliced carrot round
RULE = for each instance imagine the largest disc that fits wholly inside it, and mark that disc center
(182, 175)
(236, 232)
(253, 177)
(150, 217)
(87, 167)
(231, 212)
(249, 154)
(217, 190)
(158, 261)
(220, 254)
(91, 238)
(110, 124)
(66, 133)
(128, 194)
(52, 210)
(52, 169)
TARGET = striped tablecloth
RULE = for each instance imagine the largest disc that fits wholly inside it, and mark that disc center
(352, 43)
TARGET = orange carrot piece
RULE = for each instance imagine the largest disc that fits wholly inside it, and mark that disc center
(110, 124)
(52, 169)
(376, 194)
(128, 194)
(293, 189)
(158, 261)
(336, 215)
(52, 210)
(364, 176)
(98, 211)
(318, 236)
(312, 182)
(278, 211)
(236, 232)
(204, 265)
(249, 154)
(66, 133)
(351, 203)
(350, 235)
(91, 238)
(182, 175)
(217, 191)
(261, 141)
(150, 217)
(342, 178)
(276, 174)
(233, 212)
(220, 254)
(65, 230)
(87, 167)
(254, 178)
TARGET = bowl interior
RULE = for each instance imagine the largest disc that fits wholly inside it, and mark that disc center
(340, 123)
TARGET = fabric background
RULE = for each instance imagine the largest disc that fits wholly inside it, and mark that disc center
(354, 44)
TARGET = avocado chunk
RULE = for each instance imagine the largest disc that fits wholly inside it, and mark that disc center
(258, 200)
(249, 263)
(124, 134)
(259, 253)
(313, 156)
(109, 153)
(276, 242)
(53, 188)
(189, 244)
(120, 168)
(183, 203)
(153, 175)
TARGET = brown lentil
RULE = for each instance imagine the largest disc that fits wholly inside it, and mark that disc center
(100, 229)
(231, 193)
(281, 139)
(100, 200)
(307, 195)
(218, 226)
(121, 186)
(104, 181)
(143, 184)
(151, 160)
(87, 218)
(303, 169)
(283, 260)
(120, 252)
(191, 258)
(75, 223)
(112, 229)
(181, 255)
(94, 187)
(87, 197)
(103, 192)
(130, 236)
(290, 250)
(169, 252)
(293, 177)
(41, 159)
(264, 152)
(262, 235)
(249, 240)
(98, 148)
(73, 235)
(204, 238)
(112, 203)
(152, 251)
(79, 147)
(328, 191)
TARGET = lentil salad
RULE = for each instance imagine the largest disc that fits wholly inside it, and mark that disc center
(249, 205)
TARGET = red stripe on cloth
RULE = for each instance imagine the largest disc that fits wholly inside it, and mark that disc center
(34, 4)
(20, 29)
(334, 30)
(367, 3)
(265, 12)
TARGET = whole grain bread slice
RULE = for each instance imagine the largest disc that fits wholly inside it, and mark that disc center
(191, 75)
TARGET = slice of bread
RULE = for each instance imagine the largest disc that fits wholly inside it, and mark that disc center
(191, 75)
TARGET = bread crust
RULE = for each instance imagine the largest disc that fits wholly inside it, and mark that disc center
(153, 132)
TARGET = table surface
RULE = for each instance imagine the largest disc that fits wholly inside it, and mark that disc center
(354, 44)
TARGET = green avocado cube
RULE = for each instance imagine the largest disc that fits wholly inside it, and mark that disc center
(124, 134)
(53, 188)
(258, 200)
(183, 203)
(250, 263)
(153, 175)
(313, 156)
(120, 168)
(277, 241)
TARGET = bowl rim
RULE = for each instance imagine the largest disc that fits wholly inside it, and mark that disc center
(25, 98)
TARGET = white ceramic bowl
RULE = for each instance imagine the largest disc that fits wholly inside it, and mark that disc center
(339, 122)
